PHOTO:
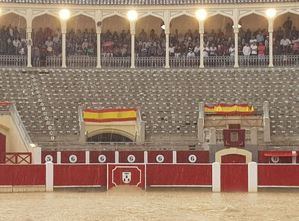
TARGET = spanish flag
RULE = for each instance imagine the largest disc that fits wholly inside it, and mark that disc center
(230, 109)
(109, 115)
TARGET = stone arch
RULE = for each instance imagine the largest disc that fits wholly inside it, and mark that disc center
(115, 36)
(14, 27)
(233, 151)
(149, 22)
(220, 21)
(127, 137)
(81, 36)
(45, 27)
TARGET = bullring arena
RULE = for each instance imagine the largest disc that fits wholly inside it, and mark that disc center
(149, 110)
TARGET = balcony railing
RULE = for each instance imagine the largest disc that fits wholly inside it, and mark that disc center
(151, 62)
(13, 60)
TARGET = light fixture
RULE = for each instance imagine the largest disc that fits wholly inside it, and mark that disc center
(163, 26)
(201, 14)
(64, 14)
(271, 12)
(32, 145)
(239, 26)
(132, 15)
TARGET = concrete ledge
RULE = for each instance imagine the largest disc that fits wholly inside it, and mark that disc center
(35, 188)
(6, 189)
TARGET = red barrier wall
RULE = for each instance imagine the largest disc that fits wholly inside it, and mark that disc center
(136, 175)
(66, 154)
(233, 158)
(110, 156)
(123, 155)
(202, 156)
(178, 174)
(22, 175)
(2, 147)
(80, 175)
(278, 175)
(265, 159)
(153, 154)
(52, 153)
(234, 177)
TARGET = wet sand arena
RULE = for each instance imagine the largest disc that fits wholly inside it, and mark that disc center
(131, 204)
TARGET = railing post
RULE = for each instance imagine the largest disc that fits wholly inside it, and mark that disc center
(216, 177)
(201, 38)
(270, 30)
(49, 176)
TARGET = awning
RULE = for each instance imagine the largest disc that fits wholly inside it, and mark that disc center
(280, 154)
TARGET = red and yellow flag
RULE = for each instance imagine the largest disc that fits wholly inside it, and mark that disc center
(109, 115)
(229, 109)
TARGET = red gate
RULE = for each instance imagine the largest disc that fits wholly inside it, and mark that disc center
(233, 158)
(234, 177)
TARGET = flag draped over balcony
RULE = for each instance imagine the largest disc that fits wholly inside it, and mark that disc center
(229, 109)
(109, 115)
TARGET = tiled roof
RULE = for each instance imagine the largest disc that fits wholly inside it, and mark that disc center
(144, 2)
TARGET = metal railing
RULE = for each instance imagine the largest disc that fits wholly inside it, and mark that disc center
(116, 62)
(13, 60)
(184, 62)
(151, 62)
(81, 61)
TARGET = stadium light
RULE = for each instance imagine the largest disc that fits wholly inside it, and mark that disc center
(239, 26)
(132, 15)
(201, 14)
(64, 14)
(271, 12)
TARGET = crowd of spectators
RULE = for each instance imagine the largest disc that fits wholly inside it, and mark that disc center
(12, 40)
(47, 42)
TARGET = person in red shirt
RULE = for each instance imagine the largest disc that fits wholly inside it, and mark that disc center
(261, 50)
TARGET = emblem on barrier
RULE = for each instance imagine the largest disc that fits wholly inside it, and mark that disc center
(48, 158)
(102, 158)
(131, 158)
(73, 158)
(126, 177)
(160, 158)
(192, 158)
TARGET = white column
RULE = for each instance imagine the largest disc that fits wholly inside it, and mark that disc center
(37, 155)
(252, 177)
(116, 159)
(58, 157)
(99, 47)
(87, 157)
(174, 157)
(270, 30)
(216, 177)
(132, 28)
(145, 156)
(63, 41)
(236, 31)
(49, 176)
(167, 50)
(201, 37)
(29, 46)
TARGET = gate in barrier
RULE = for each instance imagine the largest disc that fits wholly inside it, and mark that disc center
(126, 174)
(234, 177)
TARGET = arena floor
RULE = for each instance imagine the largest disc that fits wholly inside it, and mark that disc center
(132, 204)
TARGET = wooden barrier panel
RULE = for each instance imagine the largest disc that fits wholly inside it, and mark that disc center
(160, 157)
(234, 177)
(72, 156)
(126, 174)
(192, 156)
(2, 147)
(179, 174)
(102, 156)
(17, 175)
(278, 175)
(80, 175)
(131, 156)
(50, 156)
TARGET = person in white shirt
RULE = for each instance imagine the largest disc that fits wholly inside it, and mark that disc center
(285, 44)
(246, 50)
(197, 50)
(213, 50)
(253, 49)
(231, 50)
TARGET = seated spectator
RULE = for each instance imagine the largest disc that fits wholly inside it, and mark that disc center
(253, 48)
(246, 50)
